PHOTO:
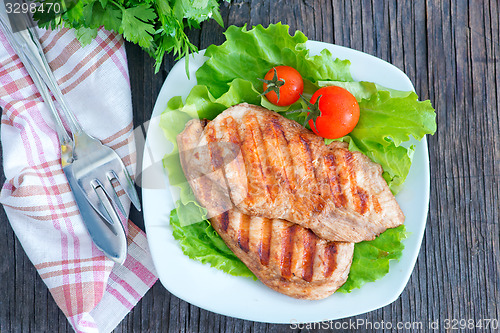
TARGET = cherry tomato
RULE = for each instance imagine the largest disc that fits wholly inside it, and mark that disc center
(289, 82)
(339, 112)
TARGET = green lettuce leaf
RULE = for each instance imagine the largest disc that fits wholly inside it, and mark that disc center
(250, 54)
(363, 89)
(201, 242)
(371, 259)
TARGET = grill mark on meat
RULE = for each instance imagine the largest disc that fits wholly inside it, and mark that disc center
(363, 200)
(334, 181)
(244, 233)
(206, 189)
(376, 205)
(331, 258)
(216, 156)
(230, 124)
(309, 239)
(289, 166)
(310, 165)
(343, 178)
(323, 177)
(224, 221)
(268, 166)
(265, 242)
(319, 203)
(214, 149)
(278, 128)
(235, 138)
(280, 168)
(254, 177)
(359, 196)
(233, 164)
(287, 251)
(254, 125)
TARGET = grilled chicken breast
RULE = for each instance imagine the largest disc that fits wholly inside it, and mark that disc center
(268, 166)
(284, 256)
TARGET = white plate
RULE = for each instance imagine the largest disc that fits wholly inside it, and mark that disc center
(214, 290)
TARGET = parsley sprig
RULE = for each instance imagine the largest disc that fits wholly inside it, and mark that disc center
(158, 26)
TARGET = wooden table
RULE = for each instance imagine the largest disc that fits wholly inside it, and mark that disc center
(451, 53)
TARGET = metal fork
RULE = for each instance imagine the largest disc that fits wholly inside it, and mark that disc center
(95, 166)
(109, 236)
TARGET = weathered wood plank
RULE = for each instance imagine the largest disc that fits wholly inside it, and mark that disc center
(451, 52)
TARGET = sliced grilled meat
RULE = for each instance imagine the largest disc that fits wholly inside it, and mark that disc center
(284, 171)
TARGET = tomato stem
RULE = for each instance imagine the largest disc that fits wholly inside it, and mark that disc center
(273, 85)
(314, 113)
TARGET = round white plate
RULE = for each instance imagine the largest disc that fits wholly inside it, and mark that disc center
(216, 291)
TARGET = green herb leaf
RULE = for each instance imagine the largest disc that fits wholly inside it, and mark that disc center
(95, 15)
(86, 35)
(135, 26)
(158, 26)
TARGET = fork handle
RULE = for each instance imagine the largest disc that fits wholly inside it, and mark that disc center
(34, 51)
(28, 42)
(63, 136)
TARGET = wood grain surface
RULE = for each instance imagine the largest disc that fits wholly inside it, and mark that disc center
(451, 52)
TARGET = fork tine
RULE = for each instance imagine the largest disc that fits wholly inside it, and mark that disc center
(102, 233)
(128, 186)
(92, 197)
(105, 207)
(110, 175)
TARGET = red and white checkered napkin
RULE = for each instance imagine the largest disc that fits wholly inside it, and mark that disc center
(92, 292)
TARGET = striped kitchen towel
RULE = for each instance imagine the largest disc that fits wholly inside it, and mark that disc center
(93, 292)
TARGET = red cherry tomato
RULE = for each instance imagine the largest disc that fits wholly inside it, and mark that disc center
(290, 90)
(339, 112)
